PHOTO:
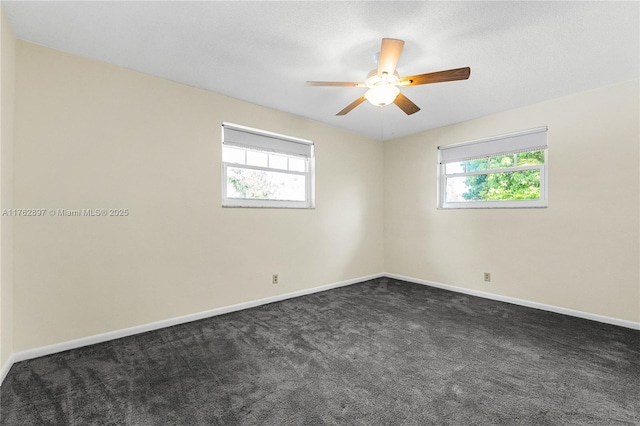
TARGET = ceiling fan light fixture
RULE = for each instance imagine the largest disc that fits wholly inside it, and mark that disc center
(382, 89)
(382, 95)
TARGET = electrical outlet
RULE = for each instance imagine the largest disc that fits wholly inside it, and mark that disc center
(274, 279)
(487, 276)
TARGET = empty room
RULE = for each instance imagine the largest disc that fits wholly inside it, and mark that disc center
(319, 213)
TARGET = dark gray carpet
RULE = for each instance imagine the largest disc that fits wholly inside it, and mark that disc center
(382, 352)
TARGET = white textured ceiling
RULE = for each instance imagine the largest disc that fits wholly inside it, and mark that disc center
(520, 53)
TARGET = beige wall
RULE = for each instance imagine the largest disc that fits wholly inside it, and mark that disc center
(91, 135)
(579, 253)
(7, 92)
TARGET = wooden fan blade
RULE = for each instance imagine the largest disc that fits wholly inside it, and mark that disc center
(405, 104)
(436, 77)
(336, 83)
(352, 105)
(389, 55)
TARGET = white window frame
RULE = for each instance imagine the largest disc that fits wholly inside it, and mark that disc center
(511, 143)
(235, 135)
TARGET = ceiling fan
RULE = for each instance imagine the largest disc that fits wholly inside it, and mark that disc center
(384, 82)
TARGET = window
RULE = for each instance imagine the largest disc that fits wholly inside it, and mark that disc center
(499, 172)
(264, 169)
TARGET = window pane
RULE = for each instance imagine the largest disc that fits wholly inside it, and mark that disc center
(297, 164)
(265, 185)
(233, 155)
(277, 162)
(451, 168)
(256, 158)
(501, 162)
(530, 158)
(520, 185)
(456, 188)
(479, 164)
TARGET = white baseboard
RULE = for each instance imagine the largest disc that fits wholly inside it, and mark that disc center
(522, 302)
(6, 367)
(117, 334)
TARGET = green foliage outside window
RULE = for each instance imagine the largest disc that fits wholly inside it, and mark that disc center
(510, 185)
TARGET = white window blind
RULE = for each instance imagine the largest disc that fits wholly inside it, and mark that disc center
(247, 137)
(526, 140)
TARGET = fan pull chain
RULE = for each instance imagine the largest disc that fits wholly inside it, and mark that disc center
(382, 123)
